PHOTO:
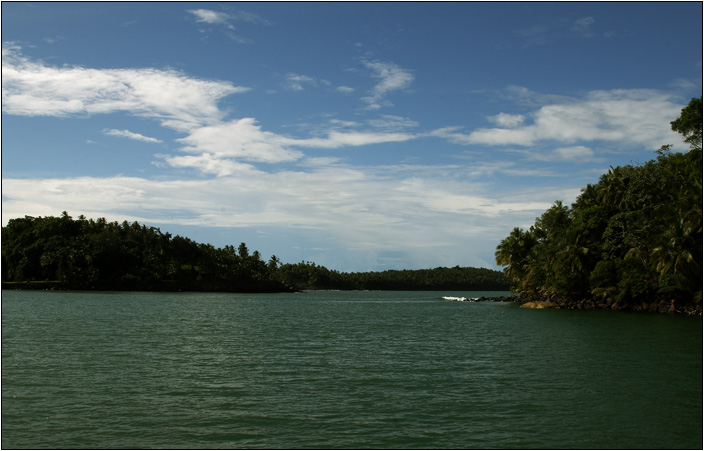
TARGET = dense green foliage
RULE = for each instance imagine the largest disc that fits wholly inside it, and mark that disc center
(635, 236)
(89, 254)
(689, 124)
(309, 275)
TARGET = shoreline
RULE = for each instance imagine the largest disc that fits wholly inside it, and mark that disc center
(153, 286)
(667, 306)
(539, 302)
(525, 300)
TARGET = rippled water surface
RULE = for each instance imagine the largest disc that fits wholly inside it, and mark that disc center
(341, 370)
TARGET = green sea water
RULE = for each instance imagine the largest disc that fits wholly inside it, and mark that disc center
(335, 369)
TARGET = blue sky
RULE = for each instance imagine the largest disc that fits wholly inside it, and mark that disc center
(360, 136)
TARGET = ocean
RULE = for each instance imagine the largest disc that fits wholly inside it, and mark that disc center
(342, 370)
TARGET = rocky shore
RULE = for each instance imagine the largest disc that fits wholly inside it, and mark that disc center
(497, 299)
(540, 301)
(671, 306)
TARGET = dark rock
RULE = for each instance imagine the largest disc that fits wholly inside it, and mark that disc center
(676, 305)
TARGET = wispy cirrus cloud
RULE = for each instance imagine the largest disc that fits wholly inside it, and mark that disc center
(392, 122)
(336, 139)
(226, 19)
(574, 154)
(583, 27)
(383, 123)
(545, 33)
(212, 17)
(296, 82)
(130, 135)
(392, 78)
(178, 101)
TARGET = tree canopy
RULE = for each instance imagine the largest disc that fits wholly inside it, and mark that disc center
(689, 124)
(633, 237)
(97, 254)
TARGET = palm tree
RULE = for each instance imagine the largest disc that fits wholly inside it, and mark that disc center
(588, 197)
(513, 252)
(613, 186)
(680, 250)
(274, 262)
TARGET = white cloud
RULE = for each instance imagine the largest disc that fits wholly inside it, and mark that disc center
(574, 154)
(452, 134)
(245, 16)
(295, 82)
(528, 98)
(180, 102)
(344, 89)
(212, 17)
(541, 34)
(225, 20)
(628, 117)
(336, 139)
(244, 140)
(526, 136)
(325, 196)
(130, 135)
(392, 77)
(319, 162)
(583, 27)
(341, 123)
(419, 212)
(507, 120)
(390, 122)
(207, 163)
(240, 139)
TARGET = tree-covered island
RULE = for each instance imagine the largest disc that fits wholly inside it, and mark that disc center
(86, 254)
(632, 241)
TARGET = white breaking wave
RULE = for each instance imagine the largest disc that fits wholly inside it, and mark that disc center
(461, 299)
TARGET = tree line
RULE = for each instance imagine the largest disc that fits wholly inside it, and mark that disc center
(308, 275)
(632, 238)
(87, 254)
(97, 254)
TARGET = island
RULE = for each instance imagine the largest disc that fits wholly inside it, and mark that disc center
(632, 241)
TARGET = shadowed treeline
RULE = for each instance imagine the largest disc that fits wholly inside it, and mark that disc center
(86, 254)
